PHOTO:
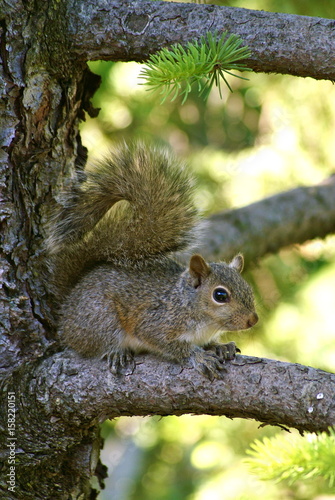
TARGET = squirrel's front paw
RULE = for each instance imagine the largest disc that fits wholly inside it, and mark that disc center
(119, 359)
(226, 352)
(207, 363)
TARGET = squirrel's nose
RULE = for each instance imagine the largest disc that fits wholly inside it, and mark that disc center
(252, 320)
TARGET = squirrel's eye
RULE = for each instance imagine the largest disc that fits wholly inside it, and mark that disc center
(221, 295)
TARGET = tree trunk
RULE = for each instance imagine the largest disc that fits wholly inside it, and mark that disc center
(53, 402)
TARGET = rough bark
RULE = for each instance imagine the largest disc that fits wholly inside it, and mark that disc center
(44, 89)
(280, 43)
(269, 391)
(64, 397)
(43, 95)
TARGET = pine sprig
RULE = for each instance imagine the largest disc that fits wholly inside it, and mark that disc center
(175, 70)
(280, 458)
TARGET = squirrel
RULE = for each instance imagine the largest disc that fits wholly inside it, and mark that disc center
(111, 244)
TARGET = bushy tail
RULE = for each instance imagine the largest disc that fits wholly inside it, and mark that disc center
(134, 205)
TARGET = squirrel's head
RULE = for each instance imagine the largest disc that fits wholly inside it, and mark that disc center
(225, 297)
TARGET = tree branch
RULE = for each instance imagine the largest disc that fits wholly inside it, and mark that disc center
(266, 226)
(280, 43)
(269, 391)
(59, 402)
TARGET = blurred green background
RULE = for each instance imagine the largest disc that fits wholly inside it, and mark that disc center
(271, 134)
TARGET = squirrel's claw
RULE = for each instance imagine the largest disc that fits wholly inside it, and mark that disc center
(118, 360)
(210, 361)
(207, 363)
(225, 352)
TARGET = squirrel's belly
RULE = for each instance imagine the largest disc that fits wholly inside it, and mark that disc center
(201, 335)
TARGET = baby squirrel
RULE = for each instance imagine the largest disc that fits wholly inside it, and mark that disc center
(111, 244)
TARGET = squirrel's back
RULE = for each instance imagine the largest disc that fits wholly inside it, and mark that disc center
(120, 291)
(134, 205)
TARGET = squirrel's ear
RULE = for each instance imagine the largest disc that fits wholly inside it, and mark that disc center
(199, 269)
(237, 263)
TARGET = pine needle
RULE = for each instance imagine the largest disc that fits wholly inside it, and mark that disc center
(174, 71)
(282, 458)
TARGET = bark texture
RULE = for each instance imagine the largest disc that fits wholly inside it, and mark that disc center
(280, 43)
(45, 88)
(63, 398)
(269, 391)
(43, 95)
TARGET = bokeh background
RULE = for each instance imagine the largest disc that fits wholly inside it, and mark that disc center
(272, 133)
